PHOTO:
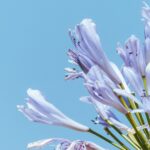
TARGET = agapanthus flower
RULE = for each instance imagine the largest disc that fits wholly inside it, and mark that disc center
(143, 103)
(105, 114)
(65, 144)
(81, 60)
(127, 90)
(131, 53)
(40, 110)
(99, 86)
(135, 80)
(89, 49)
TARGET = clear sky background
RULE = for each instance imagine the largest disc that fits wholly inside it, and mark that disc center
(33, 45)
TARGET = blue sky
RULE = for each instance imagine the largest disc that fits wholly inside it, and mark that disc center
(33, 45)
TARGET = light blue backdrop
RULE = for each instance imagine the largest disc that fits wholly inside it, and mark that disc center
(33, 46)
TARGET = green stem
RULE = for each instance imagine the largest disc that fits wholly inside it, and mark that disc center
(122, 135)
(139, 116)
(115, 138)
(105, 139)
(135, 142)
(141, 138)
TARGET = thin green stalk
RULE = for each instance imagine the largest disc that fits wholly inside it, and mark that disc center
(115, 138)
(142, 140)
(143, 123)
(139, 117)
(122, 135)
(105, 139)
(133, 139)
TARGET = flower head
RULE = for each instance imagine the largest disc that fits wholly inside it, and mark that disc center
(40, 110)
(100, 87)
(105, 114)
(64, 144)
(89, 50)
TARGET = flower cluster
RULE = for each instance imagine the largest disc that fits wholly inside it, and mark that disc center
(127, 90)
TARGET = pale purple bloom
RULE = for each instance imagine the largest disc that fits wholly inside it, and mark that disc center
(147, 30)
(81, 60)
(125, 93)
(146, 18)
(105, 113)
(146, 12)
(135, 80)
(40, 110)
(122, 53)
(106, 85)
(147, 50)
(143, 103)
(88, 47)
(100, 90)
(64, 144)
(73, 74)
(131, 53)
(118, 72)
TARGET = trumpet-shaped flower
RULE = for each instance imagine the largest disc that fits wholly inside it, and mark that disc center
(88, 46)
(81, 60)
(131, 53)
(64, 144)
(143, 104)
(100, 89)
(105, 114)
(147, 50)
(40, 110)
(135, 80)
(146, 12)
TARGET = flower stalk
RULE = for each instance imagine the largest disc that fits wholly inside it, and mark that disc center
(141, 138)
(105, 139)
(115, 138)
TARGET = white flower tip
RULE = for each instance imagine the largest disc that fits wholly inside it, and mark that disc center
(86, 99)
(70, 70)
(35, 94)
(87, 22)
(38, 144)
(31, 91)
(20, 107)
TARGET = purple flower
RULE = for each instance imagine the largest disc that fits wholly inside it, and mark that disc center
(105, 114)
(147, 50)
(134, 79)
(100, 88)
(73, 74)
(89, 50)
(81, 60)
(40, 110)
(131, 53)
(64, 144)
(146, 12)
